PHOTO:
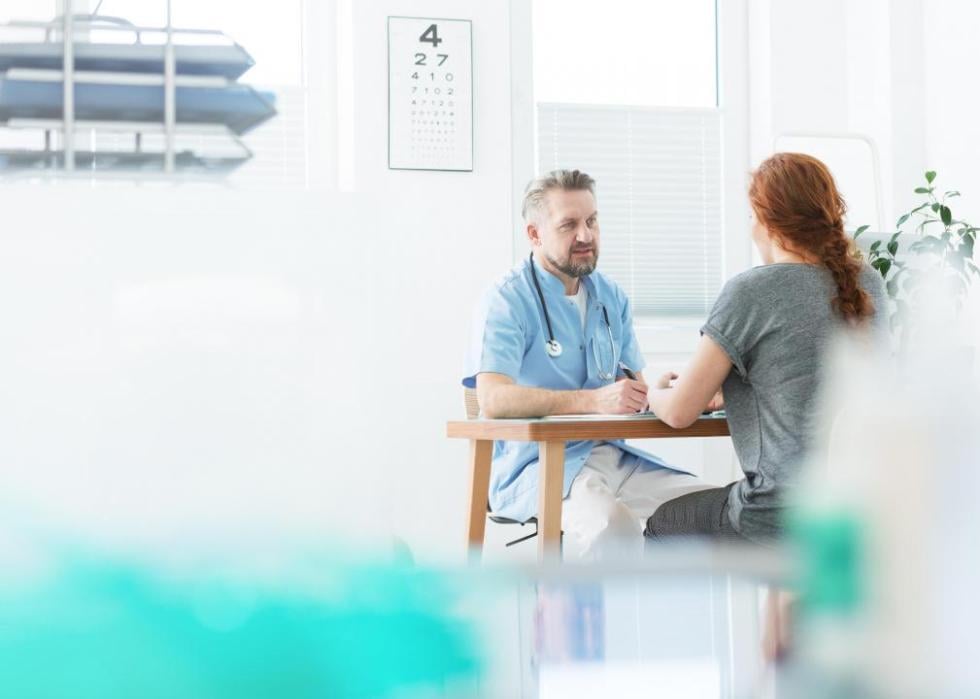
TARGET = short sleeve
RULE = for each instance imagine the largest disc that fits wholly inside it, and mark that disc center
(734, 324)
(630, 351)
(497, 341)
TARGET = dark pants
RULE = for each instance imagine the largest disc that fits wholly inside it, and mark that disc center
(702, 514)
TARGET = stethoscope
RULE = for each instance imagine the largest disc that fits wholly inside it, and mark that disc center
(553, 348)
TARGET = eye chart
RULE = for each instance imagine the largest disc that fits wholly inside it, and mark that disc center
(430, 94)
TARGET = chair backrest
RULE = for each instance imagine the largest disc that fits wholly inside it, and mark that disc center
(472, 403)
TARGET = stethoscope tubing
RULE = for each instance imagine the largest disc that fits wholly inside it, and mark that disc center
(552, 346)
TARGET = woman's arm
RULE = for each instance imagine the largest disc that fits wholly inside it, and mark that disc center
(681, 404)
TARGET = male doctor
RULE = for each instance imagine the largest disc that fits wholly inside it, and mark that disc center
(555, 337)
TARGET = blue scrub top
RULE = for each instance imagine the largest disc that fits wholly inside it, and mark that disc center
(509, 336)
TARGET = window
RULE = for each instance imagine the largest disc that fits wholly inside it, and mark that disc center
(628, 92)
(658, 53)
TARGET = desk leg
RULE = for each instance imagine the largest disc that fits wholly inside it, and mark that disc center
(481, 454)
(551, 472)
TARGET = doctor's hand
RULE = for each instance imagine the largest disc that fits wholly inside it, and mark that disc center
(620, 397)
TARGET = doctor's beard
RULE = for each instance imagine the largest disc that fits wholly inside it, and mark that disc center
(577, 269)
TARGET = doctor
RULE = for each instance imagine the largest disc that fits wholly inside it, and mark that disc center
(556, 337)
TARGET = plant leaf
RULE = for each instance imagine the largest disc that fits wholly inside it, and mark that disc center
(875, 245)
(966, 245)
(935, 208)
(902, 219)
(893, 248)
(860, 230)
(946, 215)
(930, 176)
(952, 193)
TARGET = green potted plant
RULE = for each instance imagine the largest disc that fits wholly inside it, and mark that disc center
(928, 240)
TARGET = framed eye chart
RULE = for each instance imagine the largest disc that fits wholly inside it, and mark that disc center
(430, 94)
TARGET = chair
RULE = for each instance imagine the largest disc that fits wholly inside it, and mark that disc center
(472, 404)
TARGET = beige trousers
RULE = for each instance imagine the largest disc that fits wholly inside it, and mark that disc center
(611, 499)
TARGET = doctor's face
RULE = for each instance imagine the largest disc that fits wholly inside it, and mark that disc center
(566, 235)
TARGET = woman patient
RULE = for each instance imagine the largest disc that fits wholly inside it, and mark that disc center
(763, 345)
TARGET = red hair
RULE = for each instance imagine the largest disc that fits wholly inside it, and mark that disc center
(794, 196)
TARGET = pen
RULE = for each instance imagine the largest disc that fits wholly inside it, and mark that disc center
(630, 374)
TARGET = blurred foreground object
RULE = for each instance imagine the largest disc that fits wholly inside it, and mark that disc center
(81, 625)
(887, 519)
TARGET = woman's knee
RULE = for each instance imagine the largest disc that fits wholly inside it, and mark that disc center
(655, 524)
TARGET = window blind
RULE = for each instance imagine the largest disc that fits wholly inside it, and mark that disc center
(279, 146)
(658, 186)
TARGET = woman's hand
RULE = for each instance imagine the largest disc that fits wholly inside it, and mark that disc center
(664, 381)
(716, 403)
(680, 403)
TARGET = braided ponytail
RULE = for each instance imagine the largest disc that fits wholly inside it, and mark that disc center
(794, 196)
(852, 302)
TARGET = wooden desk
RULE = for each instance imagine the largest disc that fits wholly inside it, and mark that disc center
(551, 434)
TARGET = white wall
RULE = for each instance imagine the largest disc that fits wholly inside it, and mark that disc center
(843, 67)
(441, 238)
(240, 364)
(951, 100)
(176, 360)
(183, 358)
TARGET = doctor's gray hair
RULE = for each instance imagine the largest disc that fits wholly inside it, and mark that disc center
(568, 180)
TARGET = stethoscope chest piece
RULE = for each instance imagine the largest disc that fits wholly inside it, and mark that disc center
(553, 348)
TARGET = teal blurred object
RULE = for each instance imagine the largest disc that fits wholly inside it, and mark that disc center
(832, 549)
(97, 627)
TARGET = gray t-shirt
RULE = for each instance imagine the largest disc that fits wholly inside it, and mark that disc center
(775, 323)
